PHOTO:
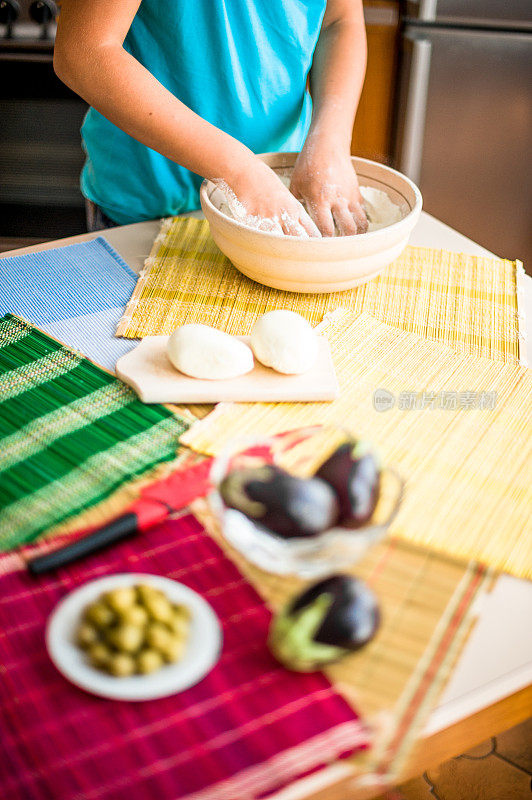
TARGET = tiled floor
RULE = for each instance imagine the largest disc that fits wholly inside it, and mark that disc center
(498, 769)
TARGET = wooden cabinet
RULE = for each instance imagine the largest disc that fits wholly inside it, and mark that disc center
(372, 133)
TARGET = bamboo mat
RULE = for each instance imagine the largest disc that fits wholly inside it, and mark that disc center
(459, 430)
(464, 301)
(70, 433)
(427, 603)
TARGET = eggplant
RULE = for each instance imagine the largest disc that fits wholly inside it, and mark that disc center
(282, 503)
(353, 472)
(327, 621)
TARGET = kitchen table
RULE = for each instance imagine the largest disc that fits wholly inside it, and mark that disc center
(490, 689)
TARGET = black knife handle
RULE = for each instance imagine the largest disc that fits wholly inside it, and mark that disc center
(115, 531)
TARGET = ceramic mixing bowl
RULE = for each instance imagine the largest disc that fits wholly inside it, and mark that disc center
(331, 264)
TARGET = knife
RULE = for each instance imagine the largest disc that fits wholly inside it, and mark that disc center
(157, 501)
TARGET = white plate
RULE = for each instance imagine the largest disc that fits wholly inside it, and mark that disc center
(202, 653)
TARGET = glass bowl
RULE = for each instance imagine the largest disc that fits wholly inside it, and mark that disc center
(299, 452)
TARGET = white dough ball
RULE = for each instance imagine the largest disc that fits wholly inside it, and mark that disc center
(207, 353)
(284, 341)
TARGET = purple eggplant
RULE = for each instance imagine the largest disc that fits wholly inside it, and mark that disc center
(280, 502)
(327, 621)
(354, 473)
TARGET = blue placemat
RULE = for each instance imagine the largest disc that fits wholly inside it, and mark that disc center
(75, 293)
(93, 335)
(65, 282)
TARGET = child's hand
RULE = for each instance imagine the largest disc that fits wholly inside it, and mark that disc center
(259, 193)
(325, 180)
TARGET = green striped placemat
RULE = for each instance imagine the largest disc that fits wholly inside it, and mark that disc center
(70, 433)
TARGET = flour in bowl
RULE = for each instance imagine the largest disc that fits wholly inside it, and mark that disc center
(380, 210)
(230, 205)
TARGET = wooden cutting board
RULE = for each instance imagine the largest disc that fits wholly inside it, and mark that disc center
(149, 372)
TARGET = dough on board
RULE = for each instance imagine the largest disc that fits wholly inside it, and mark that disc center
(284, 341)
(207, 353)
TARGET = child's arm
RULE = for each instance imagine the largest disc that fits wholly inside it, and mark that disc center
(89, 57)
(324, 176)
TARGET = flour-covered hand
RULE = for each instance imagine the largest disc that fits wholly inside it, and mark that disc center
(326, 182)
(257, 197)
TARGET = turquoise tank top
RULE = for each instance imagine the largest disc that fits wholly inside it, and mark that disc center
(240, 64)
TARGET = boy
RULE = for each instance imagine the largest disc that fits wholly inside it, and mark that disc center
(186, 89)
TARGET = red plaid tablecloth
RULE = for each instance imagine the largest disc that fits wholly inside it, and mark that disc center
(245, 730)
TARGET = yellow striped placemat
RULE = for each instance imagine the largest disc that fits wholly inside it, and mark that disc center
(465, 301)
(458, 428)
(427, 606)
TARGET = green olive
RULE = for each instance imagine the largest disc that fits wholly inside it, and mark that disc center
(135, 615)
(182, 611)
(157, 635)
(120, 599)
(121, 665)
(99, 614)
(87, 635)
(145, 590)
(173, 649)
(127, 638)
(158, 608)
(99, 655)
(179, 624)
(141, 629)
(149, 660)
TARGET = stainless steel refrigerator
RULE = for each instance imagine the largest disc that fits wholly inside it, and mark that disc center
(464, 117)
